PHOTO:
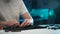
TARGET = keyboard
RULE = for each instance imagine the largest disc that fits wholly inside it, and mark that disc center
(47, 26)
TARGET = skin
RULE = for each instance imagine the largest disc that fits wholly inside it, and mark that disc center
(16, 23)
(26, 18)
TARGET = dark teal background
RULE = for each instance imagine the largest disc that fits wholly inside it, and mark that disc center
(44, 11)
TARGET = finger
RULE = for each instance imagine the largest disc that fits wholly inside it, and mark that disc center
(16, 24)
(28, 24)
(23, 23)
(10, 24)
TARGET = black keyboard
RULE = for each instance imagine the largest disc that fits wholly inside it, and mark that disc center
(23, 28)
(55, 26)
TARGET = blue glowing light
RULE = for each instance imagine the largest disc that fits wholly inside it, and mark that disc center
(42, 13)
(51, 12)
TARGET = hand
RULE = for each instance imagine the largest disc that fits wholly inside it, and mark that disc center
(25, 23)
(12, 23)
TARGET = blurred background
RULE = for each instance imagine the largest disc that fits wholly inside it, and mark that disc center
(44, 11)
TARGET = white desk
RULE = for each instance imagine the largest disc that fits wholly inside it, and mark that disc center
(37, 31)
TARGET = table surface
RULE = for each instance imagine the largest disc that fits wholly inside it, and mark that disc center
(36, 31)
